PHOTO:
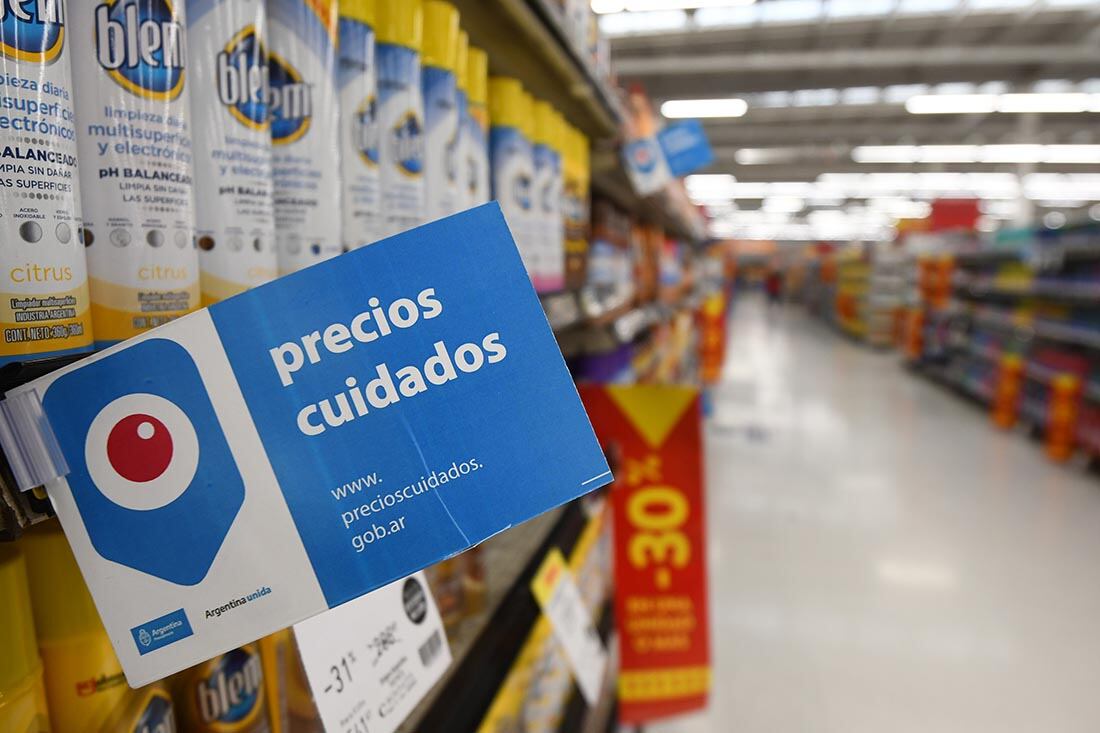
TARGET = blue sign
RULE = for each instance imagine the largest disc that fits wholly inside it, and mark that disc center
(160, 632)
(686, 147)
(301, 444)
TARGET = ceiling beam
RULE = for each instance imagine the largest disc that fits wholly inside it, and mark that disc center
(875, 58)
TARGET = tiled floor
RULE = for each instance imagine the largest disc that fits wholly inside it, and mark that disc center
(886, 561)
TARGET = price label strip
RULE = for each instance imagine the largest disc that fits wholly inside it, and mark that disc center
(560, 599)
(369, 662)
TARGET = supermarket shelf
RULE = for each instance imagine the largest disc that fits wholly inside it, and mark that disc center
(1069, 292)
(526, 39)
(1039, 373)
(609, 179)
(1086, 337)
(563, 310)
(485, 647)
(578, 716)
(1034, 411)
(987, 257)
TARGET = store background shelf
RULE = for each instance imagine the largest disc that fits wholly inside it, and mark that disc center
(526, 39)
(461, 701)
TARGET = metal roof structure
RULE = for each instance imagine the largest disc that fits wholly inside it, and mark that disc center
(831, 86)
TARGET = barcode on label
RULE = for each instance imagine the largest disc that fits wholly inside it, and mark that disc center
(430, 649)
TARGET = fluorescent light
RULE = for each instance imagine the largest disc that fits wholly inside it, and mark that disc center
(949, 153)
(885, 154)
(916, 575)
(951, 104)
(1043, 102)
(1010, 153)
(679, 108)
(785, 204)
(602, 7)
(1066, 103)
(1054, 220)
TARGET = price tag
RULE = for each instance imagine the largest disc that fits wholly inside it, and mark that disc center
(370, 661)
(560, 599)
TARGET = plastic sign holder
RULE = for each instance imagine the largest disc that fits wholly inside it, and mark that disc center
(294, 447)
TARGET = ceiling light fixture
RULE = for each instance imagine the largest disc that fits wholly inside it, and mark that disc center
(1014, 153)
(691, 108)
(603, 7)
(1016, 103)
(951, 104)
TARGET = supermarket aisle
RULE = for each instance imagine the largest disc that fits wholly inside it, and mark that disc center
(881, 559)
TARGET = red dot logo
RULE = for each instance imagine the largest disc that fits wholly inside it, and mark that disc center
(141, 451)
(139, 448)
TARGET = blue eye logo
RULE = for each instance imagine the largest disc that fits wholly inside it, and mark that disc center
(229, 692)
(32, 31)
(243, 82)
(140, 44)
(145, 464)
(365, 129)
(290, 100)
(407, 145)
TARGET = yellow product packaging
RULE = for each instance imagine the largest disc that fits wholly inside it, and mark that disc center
(290, 703)
(85, 688)
(302, 710)
(575, 169)
(22, 692)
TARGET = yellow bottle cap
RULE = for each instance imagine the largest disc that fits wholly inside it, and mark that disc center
(63, 607)
(360, 10)
(400, 23)
(19, 659)
(440, 35)
(506, 102)
(545, 130)
(462, 61)
(477, 75)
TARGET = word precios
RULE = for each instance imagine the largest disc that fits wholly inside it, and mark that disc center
(384, 387)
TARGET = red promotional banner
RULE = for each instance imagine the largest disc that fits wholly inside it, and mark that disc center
(652, 436)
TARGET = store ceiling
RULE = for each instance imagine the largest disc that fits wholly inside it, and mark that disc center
(823, 77)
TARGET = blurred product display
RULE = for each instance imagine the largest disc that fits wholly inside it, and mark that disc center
(434, 107)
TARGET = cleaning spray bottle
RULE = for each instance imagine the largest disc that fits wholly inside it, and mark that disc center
(133, 119)
(548, 226)
(510, 158)
(462, 103)
(357, 80)
(225, 694)
(477, 138)
(400, 113)
(440, 90)
(22, 692)
(85, 688)
(234, 219)
(44, 304)
(304, 130)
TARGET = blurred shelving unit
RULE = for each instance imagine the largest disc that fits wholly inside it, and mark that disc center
(1027, 296)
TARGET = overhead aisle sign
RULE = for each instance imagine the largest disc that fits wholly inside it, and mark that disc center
(652, 435)
(296, 446)
(686, 147)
